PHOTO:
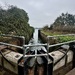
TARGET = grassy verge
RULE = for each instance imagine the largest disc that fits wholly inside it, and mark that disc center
(66, 38)
(60, 39)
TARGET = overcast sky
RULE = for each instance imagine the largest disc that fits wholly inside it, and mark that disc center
(42, 12)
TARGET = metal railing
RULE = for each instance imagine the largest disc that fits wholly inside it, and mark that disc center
(59, 44)
(48, 46)
(7, 44)
(61, 35)
(35, 45)
(13, 36)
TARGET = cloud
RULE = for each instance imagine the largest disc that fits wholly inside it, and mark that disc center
(48, 14)
(43, 12)
(36, 4)
(1, 3)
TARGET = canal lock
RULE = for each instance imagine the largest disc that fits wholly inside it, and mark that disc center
(41, 65)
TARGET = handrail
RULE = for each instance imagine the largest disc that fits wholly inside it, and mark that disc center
(61, 43)
(61, 58)
(7, 35)
(14, 36)
(35, 45)
(61, 35)
(6, 44)
(36, 55)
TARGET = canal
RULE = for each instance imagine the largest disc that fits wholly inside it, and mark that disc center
(36, 65)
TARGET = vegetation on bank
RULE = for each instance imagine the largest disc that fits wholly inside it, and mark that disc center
(66, 38)
(60, 38)
(14, 21)
(64, 24)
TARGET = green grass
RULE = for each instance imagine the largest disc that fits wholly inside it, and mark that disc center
(66, 38)
(48, 33)
(60, 39)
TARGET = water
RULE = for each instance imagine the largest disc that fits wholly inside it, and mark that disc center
(35, 40)
(35, 36)
(34, 61)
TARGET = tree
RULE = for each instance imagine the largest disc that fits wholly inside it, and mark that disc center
(15, 20)
(64, 22)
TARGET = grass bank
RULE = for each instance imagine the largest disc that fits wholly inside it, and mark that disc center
(60, 38)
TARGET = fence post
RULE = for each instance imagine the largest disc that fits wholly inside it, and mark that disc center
(24, 53)
(72, 47)
(49, 59)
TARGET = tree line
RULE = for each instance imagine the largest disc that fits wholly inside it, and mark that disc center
(65, 22)
(14, 21)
